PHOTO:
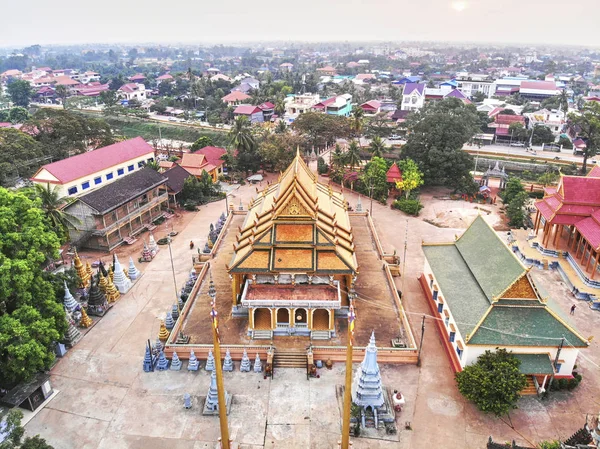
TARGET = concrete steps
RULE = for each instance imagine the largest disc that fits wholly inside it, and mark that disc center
(289, 359)
(262, 335)
(529, 389)
(320, 335)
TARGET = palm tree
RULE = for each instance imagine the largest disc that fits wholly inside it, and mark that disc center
(53, 206)
(563, 102)
(153, 165)
(281, 127)
(338, 157)
(240, 135)
(353, 155)
(377, 147)
(62, 92)
(357, 120)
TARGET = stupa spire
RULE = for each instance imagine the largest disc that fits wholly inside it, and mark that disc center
(367, 390)
(119, 279)
(70, 303)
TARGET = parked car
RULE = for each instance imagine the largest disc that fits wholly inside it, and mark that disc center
(517, 144)
(395, 137)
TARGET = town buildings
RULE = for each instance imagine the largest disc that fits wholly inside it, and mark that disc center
(207, 159)
(299, 104)
(253, 113)
(117, 212)
(485, 298)
(94, 169)
(339, 105)
(132, 91)
(413, 96)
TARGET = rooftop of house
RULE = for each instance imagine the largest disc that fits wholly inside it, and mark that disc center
(130, 87)
(164, 77)
(176, 177)
(91, 162)
(414, 87)
(123, 190)
(246, 109)
(538, 85)
(212, 154)
(236, 95)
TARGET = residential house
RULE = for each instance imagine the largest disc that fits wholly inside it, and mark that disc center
(65, 80)
(132, 91)
(166, 78)
(553, 119)
(176, 176)
(286, 67)
(484, 298)
(471, 86)
(413, 96)
(268, 109)
(538, 90)
(407, 80)
(327, 71)
(299, 104)
(207, 159)
(220, 77)
(502, 124)
(94, 169)
(339, 105)
(236, 97)
(110, 215)
(246, 85)
(254, 113)
(371, 107)
(93, 89)
(137, 78)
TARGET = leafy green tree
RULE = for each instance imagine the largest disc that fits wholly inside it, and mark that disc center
(515, 211)
(377, 147)
(587, 122)
(493, 383)
(357, 121)
(154, 165)
(241, 138)
(322, 167)
(109, 97)
(62, 92)
(20, 93)
(548, 178)
(542, 134)
(412, 177)
(436, 135)
(517, 131)
(53, 206)
(565, 142)
(563, 102)
(353, 155)
(201, 142)
(18, 115)
(374, 178)
(278, 150)
(14, 431)
(18, 151)
(321, 129)
(512, 189)
(31, 317)
(478, 97)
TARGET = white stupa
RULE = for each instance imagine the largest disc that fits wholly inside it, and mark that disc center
(121, 281)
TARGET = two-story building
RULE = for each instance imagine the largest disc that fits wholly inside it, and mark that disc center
(299, 104)
(484, 298)
(132, 91)
(112, 214)
(94, 169)
(253, 113)
(413, 97)
(339, 105)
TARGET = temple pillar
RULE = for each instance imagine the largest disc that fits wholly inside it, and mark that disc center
(546, 233)
(595, 266)
(330, 319)
(557, 232)
(587, 265)
(273, 318)
(251, 318)
(309, 318)
(536, 223)
(570, 236)
(292, 317)
(235, 281)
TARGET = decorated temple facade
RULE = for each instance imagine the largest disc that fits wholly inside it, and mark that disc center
(569, 218)
(485, 298)
(294, 260)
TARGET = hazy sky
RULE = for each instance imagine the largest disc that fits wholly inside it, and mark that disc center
(527, 21)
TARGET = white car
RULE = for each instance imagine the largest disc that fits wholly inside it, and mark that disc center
(517, 144)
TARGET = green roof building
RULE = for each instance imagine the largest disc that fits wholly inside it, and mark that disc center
(485, 299)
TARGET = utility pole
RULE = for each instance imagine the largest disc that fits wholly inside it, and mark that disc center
(172, 267)
(225, 442)
(345, 443)
(554, 364)
(371, 188)
(404, 256)
(421, 344)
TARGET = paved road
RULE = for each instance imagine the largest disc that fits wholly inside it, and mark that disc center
(537, 153)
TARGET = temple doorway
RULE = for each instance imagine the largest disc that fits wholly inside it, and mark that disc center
(283, 317)
(300, 318)
(262, 319)
(321, 320)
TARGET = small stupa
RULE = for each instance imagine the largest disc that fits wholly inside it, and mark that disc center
(228, 362)
(111, 292)
(133, 272)
(149, 361)
(97, 303)
(245, 366)
(152, 246)
(163, 333)
(84, 278)
(163, 362)
(211, 405)
(85, 321)
(146, 253)
(257, 364)
(175, 362)
(193, 363)
(175, 311)
(73, 335)
(157, 347)
(210, 362)
(169, 322)
(88, 270)
(102, 282)
(70, 303)
(119, 279)
(359, 207)
(102, 269)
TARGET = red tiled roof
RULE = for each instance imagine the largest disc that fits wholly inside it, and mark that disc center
(65, 81)
(213, 155)
(544, 209)
(538, 85)
(393, 174)
(580, 190)
(372, 105)
(129, 87)
(235, 96)
(323, 104)
(266, 105)
(246, 109)
(590, 230)
(507, 119)
(166, 76)
(94, 161)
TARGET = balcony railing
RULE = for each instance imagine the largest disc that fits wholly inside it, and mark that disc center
(134, 213)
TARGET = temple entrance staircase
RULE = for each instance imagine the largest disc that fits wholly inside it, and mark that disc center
(530, 388)
(290, 359)
(262, 334)
(320, 335)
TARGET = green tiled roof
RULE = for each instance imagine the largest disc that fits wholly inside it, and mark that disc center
(461, 291)
(489, 259)
(535, 363)
(512, 326)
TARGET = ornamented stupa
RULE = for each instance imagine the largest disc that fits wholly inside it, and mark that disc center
(111, 292)
(84, 278)
(102, 282)
(163, 333)
(70, 303)
(146, 254)
(367, 391)
(97, 303)
(133, 272)
(86, 321)
(211, 405)
(120, 280)
(245, 366)
(152, 246)
(228, 362)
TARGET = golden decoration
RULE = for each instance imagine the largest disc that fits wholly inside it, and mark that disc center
(86, 321)
(163, 333)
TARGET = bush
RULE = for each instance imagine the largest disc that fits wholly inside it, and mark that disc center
(158, 221)
(322, 167)
(563, 384)
(410, 207)
(536, 195)
(191, 206)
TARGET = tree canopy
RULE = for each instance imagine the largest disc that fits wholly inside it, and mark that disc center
(587, 124)
(321, 129)
(436, 135)
(411, 176)
(14, 431)
(18, 153)
(31, 319)
(493, 383)
(20, 93)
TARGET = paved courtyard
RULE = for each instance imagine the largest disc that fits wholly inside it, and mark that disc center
(107, 401)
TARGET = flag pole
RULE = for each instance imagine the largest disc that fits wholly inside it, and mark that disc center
(219, 369)
(348, 383)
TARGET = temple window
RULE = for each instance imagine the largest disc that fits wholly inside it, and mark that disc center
(97, 180)
(120, 171)
(459, 352)
(72, 190)
(85, 185)
(440, 308)
(130, 167)
(452, 336)
(109, 176)
(435, 295)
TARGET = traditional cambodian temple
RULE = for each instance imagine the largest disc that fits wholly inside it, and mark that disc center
(294, 259)
(569, 217)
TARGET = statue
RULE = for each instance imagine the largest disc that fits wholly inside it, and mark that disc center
(245, 365)
(193, 363)
(163, 362)
(175, 362)
(257, 364)
(187, 401)
(228, 362)
(210, 362)
(169, 323)
(86, 321)
(163, 333)
(133, 272)
(149, 361)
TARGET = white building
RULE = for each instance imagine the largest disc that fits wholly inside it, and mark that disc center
(299, 104)
(413, 96)
(130, 91)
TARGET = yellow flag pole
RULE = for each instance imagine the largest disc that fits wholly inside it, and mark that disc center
(348, 383)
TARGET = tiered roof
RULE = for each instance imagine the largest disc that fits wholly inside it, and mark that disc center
(491, 294)
(297, 224)
(575, 201)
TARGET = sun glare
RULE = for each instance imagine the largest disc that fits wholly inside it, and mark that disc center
(459, 6)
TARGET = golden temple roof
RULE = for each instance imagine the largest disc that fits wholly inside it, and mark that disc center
(296, 224)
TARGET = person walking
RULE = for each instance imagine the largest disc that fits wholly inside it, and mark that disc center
(573, 307)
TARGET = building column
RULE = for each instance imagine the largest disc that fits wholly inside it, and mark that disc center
(234, 288)
(292, 317)
(273, 318)
(331, 316)
(557, 232)
(536, 225)
(587, 265)
(595, 266)
(251, 318)
(309, 317)
(570, 236)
